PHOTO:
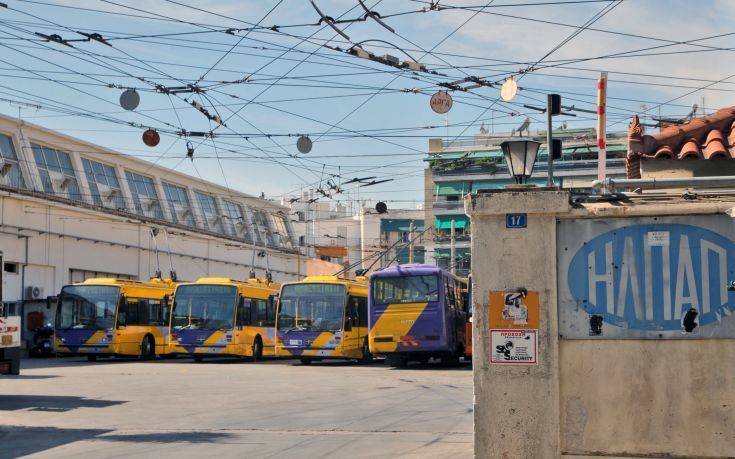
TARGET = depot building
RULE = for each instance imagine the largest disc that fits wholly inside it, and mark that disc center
(71, 210)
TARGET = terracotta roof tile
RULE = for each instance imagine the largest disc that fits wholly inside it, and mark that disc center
(705, 138)
(690, 150)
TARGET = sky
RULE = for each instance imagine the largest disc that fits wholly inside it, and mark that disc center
(364, 118)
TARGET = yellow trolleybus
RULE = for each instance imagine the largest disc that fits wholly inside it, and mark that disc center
(323, 317)
(219, 316)
(113, 317)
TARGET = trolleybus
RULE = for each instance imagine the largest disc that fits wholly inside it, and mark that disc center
(113, 317)
(323, 317)
(417, 312)
(223, 317)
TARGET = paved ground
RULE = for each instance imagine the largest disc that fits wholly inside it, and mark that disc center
(112, 408)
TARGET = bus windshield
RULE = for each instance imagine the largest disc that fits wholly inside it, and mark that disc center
(87, 307)
(204, 307)
(312, 307)
(405, 289)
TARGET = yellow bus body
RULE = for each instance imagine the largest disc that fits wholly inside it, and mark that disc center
(243, 327)
(116, 317)
(345, 339)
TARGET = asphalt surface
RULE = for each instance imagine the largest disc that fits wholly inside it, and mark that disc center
(166, 408)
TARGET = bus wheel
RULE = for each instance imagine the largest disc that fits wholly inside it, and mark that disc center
(367, 357)
(450, 360)
(305, 361)
(91, 358)
(148, 348)
(397, 361)
(257, 349)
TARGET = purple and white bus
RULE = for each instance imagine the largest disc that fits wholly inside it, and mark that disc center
(417, 312)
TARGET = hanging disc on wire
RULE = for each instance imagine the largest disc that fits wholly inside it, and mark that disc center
(441, 102)
(129, 99)
(151, 137)
(509, 89)
(304, 144)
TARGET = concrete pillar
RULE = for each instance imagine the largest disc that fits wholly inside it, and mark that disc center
(516, 406)
(26, 159)
(125, 188)
(162, 201)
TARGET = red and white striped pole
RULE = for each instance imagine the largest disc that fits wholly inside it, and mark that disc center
(601, 134)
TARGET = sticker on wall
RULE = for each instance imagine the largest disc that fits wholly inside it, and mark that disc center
(514, 310)
(513, 347)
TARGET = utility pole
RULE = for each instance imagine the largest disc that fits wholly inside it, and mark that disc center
(452, 249)
(601, 133)
(410, 242)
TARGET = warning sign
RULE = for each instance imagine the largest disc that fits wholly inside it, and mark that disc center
(513, 347)
(517, 310)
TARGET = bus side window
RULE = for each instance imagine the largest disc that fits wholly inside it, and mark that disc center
(131, 312)
(155, 312)
(144, 312)
(165, 309)
(243, 311)
(272, 301)
(362, 312)
(262, 312)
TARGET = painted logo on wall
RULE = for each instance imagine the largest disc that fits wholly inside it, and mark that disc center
(655, 277)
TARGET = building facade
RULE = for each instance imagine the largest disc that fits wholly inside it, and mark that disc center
(348, 236)
(460, 167)
(70, 210)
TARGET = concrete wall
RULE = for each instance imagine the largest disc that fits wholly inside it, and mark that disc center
(61, 238)
(601, 397)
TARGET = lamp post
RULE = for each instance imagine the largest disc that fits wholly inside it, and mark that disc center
(520, 156)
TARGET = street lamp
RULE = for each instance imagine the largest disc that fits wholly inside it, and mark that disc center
(520, 156)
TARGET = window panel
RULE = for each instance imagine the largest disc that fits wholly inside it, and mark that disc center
(14, 176)
(103, 176)
(235, 222)
(56, 179)
(144, 194)
(178, 202)
(211, 212)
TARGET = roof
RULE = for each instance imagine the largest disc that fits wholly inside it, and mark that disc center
(402, 270)
(360, 281)
(709, 137)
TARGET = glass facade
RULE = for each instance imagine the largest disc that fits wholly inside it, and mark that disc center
(144, 194)
(282, 230)
(11, 167)
(210, 211)
(106, 189)
(263, 231)
(178, 203)
(56, 171)
(235, 222)
(103, 184)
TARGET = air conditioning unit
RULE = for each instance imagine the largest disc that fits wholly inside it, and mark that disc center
(60, 181)
(148, 205)
(5, 168)
(33, 292)
(182, 214)
(106, 193)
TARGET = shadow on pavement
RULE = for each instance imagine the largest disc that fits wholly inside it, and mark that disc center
(20, 441)
(22, 376)
(52, 403)
(168, 437)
